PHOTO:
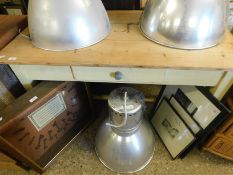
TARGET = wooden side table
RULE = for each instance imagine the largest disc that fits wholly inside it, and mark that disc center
(125, 52)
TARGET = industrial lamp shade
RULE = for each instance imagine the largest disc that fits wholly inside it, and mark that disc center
(125, 141)
(67, 25)
(185, 24)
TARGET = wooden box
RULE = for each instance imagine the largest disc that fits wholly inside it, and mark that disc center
(221, 143)
(41, 123)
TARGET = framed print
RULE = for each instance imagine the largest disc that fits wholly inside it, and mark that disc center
(185, 102)
(210, 113)
(208, 108)
(173, 132)
(185, 116)
(206, 111)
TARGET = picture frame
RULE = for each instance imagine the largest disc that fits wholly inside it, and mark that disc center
(209, 126)
(174, 133)
(191, 123)
(185, 102)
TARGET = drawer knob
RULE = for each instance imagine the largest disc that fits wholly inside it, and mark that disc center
(118, 75)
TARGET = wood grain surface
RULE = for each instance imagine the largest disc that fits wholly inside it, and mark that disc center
(124, 48)
(9, 27)
(7, 163)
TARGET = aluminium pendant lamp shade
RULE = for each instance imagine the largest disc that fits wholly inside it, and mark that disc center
(60, 25)
(125, 140)
(184, 24)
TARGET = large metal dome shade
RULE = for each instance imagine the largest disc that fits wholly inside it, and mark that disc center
(125, 140)
(67, 24)
(184, 24)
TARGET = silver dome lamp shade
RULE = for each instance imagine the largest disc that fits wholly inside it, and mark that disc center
(184, 24)
(125, 140)
(61, 25)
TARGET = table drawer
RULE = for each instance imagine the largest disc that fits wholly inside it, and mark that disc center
(147, 76)
(27, 73)
(40, 72)
(119, 75)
